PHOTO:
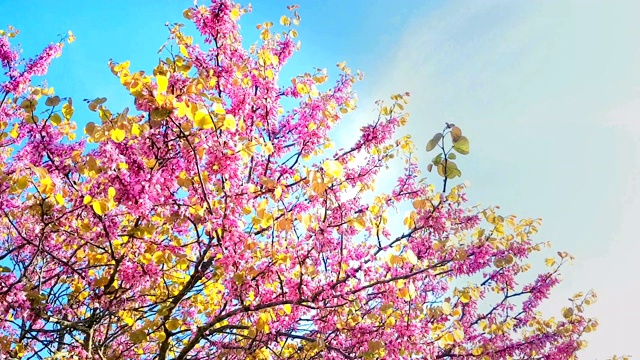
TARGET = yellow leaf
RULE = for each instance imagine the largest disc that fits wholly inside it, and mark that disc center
(135, 129)
(411, 257)
(183, 51)
(446, 308)
(87, 199)
(117, 135)
(375, 345)
(465, 297)
(100, 207)
(284, 20)
(122, 66)
(302, 88)
(14, 131)
(112, 192)
(173, 324)
(202, 119)
(333, 168)
(235, 13)
(71, 38)
(461, 145)
(386, 308)
(407, 292)
(56, 119)
(163, 82)
(158, 257)
(550, 262)
(183, 109)
(22, 183)
(238, 278)
(47, 185)
(229, 122)
(318, 187)
(395, 260)
(409, 221)
(287, 308)
(146, 258)
(358, 223)
(305, 219)
(458, 335)
(420, 204)
(262, 324)
(161, 337)
(447, 339)
(67, 110)
(269, 74)
(138, 336)
(125, 316)
(19, 350)
(218, 109)
(59, 199)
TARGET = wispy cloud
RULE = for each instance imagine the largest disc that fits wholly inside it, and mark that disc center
(548, 94)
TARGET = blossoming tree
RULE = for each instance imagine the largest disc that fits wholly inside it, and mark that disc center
(210, 221)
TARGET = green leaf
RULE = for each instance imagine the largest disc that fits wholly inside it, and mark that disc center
(173, 324)
(462, 145)
(55, 119)
(441, 169)
(434, 141)
(160, 114)
(451, 156)
(138, 336)
(437, 160)
(452, 170)
(449, 169)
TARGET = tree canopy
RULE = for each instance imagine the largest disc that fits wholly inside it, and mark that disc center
(210, 221)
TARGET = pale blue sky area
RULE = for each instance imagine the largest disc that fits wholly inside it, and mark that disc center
(547, 91)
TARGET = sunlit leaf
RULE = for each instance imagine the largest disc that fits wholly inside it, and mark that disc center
(163, 82)
(203, 120)
(55, 119)
(118, 135)
(462, 145)
(333, 168)
(100, 207)
(173, 324)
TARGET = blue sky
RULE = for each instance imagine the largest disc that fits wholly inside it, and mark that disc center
(547, 91)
